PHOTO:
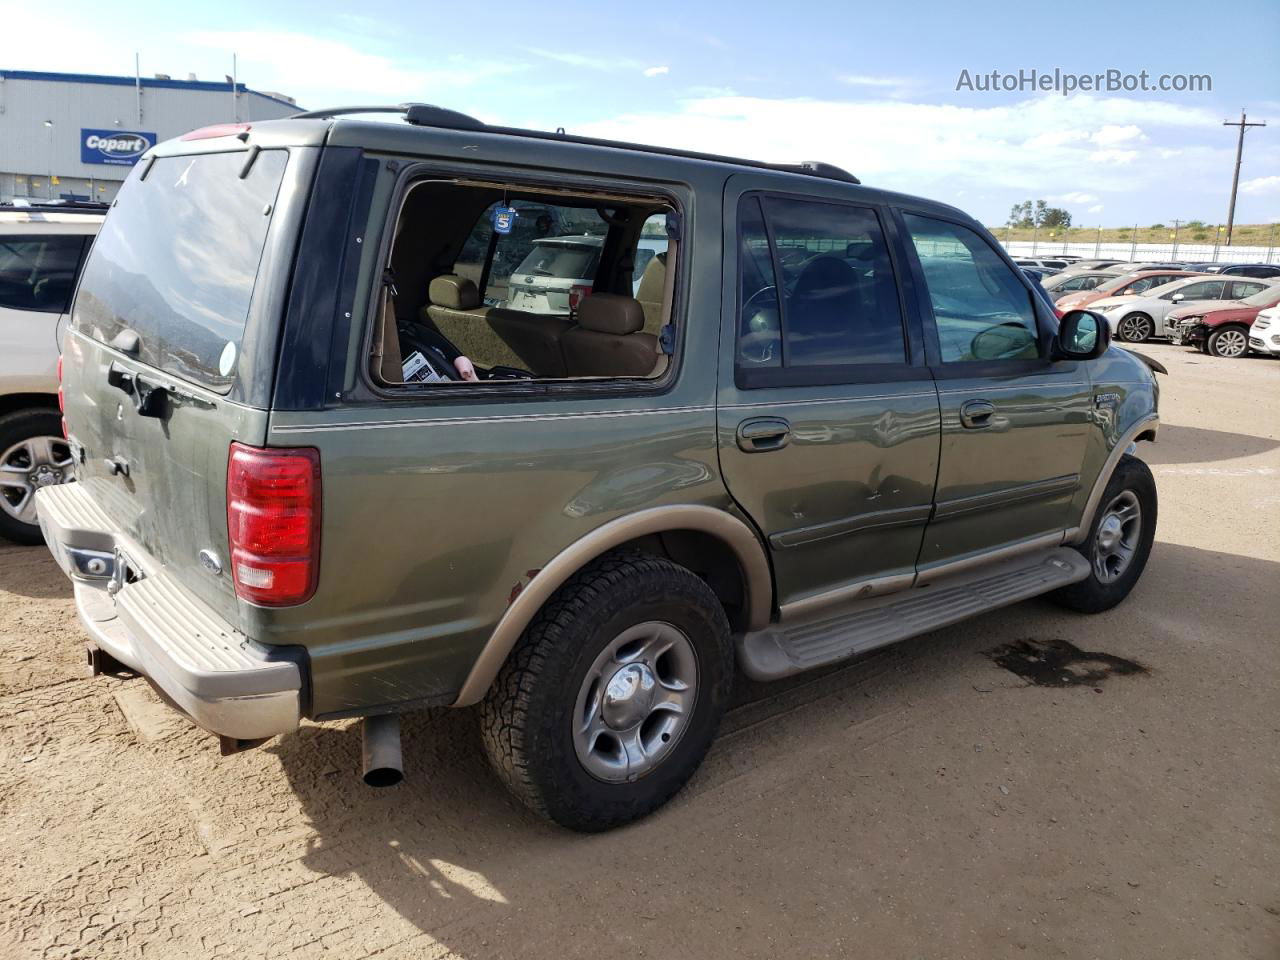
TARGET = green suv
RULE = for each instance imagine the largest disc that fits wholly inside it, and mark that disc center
(326, 469)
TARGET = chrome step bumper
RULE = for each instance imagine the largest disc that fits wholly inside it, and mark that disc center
(815, 641)
(221, 679)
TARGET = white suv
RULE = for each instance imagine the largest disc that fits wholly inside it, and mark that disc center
(41, 250)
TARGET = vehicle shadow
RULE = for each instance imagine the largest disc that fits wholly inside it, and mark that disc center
(470, 869)
(1176, 444)
(31, 572)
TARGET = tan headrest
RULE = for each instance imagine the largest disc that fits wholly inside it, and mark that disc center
(611, 313)
(454, 292)
(652, 280)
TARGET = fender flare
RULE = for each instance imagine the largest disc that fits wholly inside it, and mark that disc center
(1127, 443)
(718, 523)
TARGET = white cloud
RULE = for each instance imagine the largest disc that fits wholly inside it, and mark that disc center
(290, 61)
(1096, 208)
(1075, 196)
(585, 61)
(1083, 146)
(1111, 134)
(864, 80)
(1261, 185)
(656, 71)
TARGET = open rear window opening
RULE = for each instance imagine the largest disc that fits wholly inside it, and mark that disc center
(497, 282)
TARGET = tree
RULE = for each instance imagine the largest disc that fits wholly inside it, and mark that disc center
(1041, 209)
(1020, 215)
(1055, 217)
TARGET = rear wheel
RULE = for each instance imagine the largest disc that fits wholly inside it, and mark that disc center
(1119, 540)
(1229, 342)
(1136, 328)
(33, 454)
(611, 698)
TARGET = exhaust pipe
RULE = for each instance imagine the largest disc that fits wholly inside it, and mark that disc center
(380, 745)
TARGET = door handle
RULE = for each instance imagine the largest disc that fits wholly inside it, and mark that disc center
(762, 434)
(976, 414)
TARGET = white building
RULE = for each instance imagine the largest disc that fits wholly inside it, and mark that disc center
(76, 135)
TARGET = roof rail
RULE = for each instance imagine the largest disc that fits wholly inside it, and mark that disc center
(427, 115)
(418, 114)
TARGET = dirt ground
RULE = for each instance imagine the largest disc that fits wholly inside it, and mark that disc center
(923, 802)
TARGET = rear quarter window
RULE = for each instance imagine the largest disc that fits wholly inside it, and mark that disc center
(39, 272)
(177, 259)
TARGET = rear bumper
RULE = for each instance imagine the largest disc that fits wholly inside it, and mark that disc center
(221, 679)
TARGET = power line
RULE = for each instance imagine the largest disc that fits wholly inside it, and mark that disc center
(1243, 124)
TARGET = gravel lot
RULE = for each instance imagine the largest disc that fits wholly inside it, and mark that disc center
(923, 802)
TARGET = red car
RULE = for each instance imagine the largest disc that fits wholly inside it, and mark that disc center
(1220, 330)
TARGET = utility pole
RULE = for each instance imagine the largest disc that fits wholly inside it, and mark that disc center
(1244, 125)
(1176, 225)
(1133, 247)
(1097, 244)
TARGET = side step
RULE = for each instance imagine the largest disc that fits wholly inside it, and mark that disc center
(832, 635)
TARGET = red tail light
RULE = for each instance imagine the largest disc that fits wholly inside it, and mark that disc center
(273, 523)
(577, 294)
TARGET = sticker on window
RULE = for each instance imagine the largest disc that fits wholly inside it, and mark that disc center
(415, 369)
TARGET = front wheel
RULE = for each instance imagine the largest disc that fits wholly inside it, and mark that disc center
(1136, 328)
(1119, 540)
(612, 696)
(1228, 342)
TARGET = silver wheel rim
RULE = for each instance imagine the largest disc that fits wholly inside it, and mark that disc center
(1135, 329)
(1230, 343)
(635, 702)
(27, 466)
(1116, 541)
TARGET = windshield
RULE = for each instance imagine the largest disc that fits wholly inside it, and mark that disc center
(561, 260)
(176, 262)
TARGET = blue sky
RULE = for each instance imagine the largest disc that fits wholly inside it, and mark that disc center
(870, 86)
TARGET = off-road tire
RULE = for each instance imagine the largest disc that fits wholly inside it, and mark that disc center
(14, 428)
(1091, 595)
(526, 718)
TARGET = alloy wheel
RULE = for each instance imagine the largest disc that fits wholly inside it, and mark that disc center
(27, 466)
(1116, 541)
(1230, 343)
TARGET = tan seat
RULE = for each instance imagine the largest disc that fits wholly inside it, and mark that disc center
(495, 336)
(608, 342)
(650, 293)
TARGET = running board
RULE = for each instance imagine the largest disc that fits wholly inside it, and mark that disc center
(819, 639)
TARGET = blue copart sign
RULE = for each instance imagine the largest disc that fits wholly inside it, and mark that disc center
(117, 147)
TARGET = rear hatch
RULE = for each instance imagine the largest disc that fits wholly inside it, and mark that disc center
(555, 275)
(167, 359)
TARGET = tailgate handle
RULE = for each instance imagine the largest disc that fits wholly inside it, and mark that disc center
(148, 399)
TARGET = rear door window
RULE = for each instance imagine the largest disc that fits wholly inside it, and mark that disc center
(1239, 289)
(177, 259)
(39, 273)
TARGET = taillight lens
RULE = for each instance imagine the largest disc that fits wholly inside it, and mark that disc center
(273, 523)
(577, 294)
(216, 130)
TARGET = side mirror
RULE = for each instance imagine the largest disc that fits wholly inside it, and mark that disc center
(1178, 296)
(1082, 335)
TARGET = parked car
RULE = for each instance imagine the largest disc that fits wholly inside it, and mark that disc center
(296, 496)
(1265, 271)
(1065, 284)
(1264, 335)
(41, 250)
(558, 273)
(1052, 263)
(1124, 285)
(1135, 319)
(1222, 330)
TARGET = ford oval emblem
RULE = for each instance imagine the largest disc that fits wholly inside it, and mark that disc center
(209, 560)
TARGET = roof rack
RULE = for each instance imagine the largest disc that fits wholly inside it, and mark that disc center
(428, 115)
(56, 206)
